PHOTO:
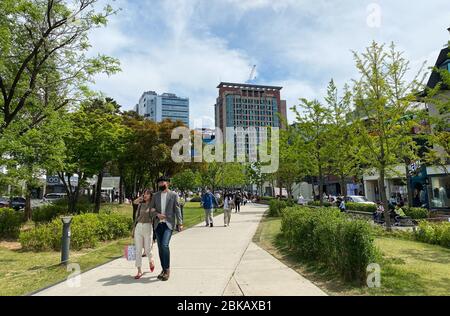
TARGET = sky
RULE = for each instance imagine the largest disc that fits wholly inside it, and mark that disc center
(188, 47)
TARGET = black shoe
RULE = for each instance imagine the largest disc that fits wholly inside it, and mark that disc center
(212, 225)
(160, 276)
(207, 225)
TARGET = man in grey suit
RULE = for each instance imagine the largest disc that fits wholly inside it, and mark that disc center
(168, 217)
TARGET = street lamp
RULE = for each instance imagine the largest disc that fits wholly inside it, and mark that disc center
(65, 241)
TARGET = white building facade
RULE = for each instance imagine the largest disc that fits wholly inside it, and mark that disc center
(165, 106)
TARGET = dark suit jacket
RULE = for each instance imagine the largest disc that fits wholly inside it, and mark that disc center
(173, 211)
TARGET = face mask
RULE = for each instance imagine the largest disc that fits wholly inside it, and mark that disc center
(162, 187)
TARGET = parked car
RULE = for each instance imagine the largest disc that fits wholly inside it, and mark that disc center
(4, 202)
(54, 197)
(359, 199)
(105, 198)
(18, 203)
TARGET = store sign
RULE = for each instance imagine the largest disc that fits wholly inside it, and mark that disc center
(53, 181)
(414, 167)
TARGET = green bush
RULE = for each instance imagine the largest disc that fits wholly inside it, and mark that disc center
(325, 235)
(196, 199)
(86, 231)
(416, 212)
(277, 206)
(49, 212)
(10, 222)
(360, 207)
(59, 208)
(317, 203)
(434, 233)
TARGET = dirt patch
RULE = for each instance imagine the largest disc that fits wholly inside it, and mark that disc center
(10, 245)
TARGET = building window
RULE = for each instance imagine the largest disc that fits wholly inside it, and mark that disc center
(440, 192)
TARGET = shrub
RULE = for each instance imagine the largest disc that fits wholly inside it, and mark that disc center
(58, 208)
(325, 235)
(416, 212)
(360, 207)
(49, 212)
(196, 199)
(277, 206)
(434, 233)
(317, 203)
(86, 231)
(10, 222)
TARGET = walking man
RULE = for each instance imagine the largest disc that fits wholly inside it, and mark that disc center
(208, 201)
(165, 204)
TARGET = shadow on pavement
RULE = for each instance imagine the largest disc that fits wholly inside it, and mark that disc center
(127, 279)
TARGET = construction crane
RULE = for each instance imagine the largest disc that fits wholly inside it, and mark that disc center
(252, 74)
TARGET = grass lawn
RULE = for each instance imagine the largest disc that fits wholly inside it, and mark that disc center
(408, 267)
(24, 272)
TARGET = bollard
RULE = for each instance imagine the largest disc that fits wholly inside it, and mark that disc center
(65, 242)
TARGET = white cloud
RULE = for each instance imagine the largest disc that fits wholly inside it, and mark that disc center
(188, 46)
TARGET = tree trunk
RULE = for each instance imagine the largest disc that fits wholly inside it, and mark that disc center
(28, 209)
(343, 187)
(98, 193)
(408, 186)
(320, 185)
(384, 199)
(121, 184)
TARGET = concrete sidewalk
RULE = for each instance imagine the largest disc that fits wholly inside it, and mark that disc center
(204, 261)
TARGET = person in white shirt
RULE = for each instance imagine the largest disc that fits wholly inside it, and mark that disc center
(227, 209)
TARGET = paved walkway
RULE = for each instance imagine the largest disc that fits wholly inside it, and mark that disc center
(205, 261)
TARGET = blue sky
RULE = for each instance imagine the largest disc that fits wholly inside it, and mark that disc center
(188, 46)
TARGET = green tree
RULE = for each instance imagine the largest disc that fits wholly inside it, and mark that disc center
(342, 142)
(31, 156)
(43, 47)
(383, 96)
(186, 180)
(313, 137)
(95, 140)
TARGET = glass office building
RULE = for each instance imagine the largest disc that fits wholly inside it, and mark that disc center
(165, 106)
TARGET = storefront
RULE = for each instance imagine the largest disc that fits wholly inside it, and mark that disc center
(439, 183)
(395, 183)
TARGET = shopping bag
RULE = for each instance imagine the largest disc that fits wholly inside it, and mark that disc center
(130, 253)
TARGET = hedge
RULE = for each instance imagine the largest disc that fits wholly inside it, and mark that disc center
(277, 206)
(325, 235)
(317, 203)
(361, 207)
(86, 231)
(433, 233)
(10, 222)
(56, 209)
(416, 212)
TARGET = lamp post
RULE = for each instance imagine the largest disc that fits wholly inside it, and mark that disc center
(65, 242)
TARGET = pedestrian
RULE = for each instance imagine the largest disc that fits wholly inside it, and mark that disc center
(227, 209)
(143, 231)
(208, 201)
(341, 203)
(237, 202)
(166, 207)
(378, 213)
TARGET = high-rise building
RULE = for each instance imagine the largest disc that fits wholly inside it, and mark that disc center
(247, 106)
(166, 106)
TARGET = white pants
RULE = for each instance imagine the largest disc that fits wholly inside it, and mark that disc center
(143, 238)
(209, 214)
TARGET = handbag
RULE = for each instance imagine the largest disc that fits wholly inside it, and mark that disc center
(130, 252)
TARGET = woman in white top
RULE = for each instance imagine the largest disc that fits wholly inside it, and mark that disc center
(143, 231)
(227, 201)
